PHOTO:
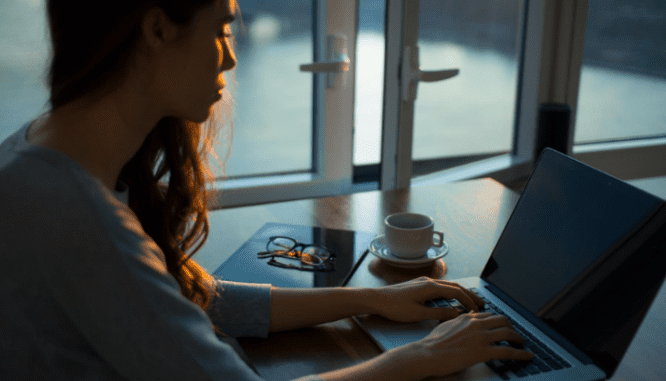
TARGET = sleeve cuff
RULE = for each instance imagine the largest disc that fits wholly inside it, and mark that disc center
(241, 309)
(309, 378)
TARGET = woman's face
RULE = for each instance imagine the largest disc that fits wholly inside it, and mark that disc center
(199, 61)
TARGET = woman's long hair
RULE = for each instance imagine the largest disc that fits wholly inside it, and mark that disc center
(93, 45)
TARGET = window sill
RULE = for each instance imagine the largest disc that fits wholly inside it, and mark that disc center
(504, 168)
(280, 188)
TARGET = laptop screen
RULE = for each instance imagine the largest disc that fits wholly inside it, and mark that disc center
(585, 252)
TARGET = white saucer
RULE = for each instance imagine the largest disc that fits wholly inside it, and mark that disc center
(379, 249)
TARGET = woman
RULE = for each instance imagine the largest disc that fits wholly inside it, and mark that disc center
(96, 277)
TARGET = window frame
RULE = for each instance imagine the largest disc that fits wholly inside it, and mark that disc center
(504, 167)
(550, 65)
(332, 128)
(627, 159)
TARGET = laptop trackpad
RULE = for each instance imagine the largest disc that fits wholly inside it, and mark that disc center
(388, 334)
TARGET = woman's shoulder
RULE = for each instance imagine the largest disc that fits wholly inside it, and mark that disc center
(35, 172)
(46, 187)
(51, 206)
(41, 177)
(48, 201)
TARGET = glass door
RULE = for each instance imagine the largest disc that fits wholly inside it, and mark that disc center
(473, 114)
(471, 53)
(272, 102)
(293, 108)
(292, 133)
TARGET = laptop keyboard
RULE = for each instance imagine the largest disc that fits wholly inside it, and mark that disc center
(545, 360)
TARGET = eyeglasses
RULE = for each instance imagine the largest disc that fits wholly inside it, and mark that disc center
(283, 251)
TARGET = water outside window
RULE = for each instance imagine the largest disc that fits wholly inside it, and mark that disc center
(472, 113)
(272, 130)
(622, 90)
(23, 54)
(369, 90)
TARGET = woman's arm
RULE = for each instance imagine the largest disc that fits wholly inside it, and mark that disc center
(293, 308)
(452, 346)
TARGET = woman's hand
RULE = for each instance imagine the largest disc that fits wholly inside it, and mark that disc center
(404, 302)
(465, 341)
(451, 347)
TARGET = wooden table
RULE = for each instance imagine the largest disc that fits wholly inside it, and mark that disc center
(472, 215)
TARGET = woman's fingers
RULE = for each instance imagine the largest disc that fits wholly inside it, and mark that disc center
(467, 298)
(509, 353)
(481, 315)
(497, 329)
(467, 340)
(475, 298)
(492, 321)
(443, 314)
(504, 334)
(450, 290)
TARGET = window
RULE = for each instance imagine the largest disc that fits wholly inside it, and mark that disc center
(620, 124)
(472, 114)
(334, 28)
(272, 130)
(295, 136)
(478, 123)
(370, 47)
(606, 61)
(623, 78)
(23, 54)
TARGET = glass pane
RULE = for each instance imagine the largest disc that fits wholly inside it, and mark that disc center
(622, 89)
(272, 106)
(369, 88)
(472, 113)
(23, 55)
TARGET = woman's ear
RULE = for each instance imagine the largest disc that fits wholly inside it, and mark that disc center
(158, 29)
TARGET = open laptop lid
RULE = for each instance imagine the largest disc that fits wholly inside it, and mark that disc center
(585, 253)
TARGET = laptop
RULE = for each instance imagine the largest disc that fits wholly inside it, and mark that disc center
(575, 269)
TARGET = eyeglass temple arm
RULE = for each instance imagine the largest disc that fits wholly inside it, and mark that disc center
(270, 254)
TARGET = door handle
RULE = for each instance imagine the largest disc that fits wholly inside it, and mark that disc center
(412, 74)
(337, 61)
(326, 67)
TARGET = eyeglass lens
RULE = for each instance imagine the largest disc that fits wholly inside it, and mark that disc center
(281, 245)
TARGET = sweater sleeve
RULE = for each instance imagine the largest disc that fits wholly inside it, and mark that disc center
(111, 280)
(90, 292)
(241, 309)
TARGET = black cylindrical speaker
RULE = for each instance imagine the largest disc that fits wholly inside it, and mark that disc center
(554, 120)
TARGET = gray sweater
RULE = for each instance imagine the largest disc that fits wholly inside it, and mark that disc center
(85, 293)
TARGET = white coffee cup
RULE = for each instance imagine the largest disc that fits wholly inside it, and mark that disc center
(410, 235)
